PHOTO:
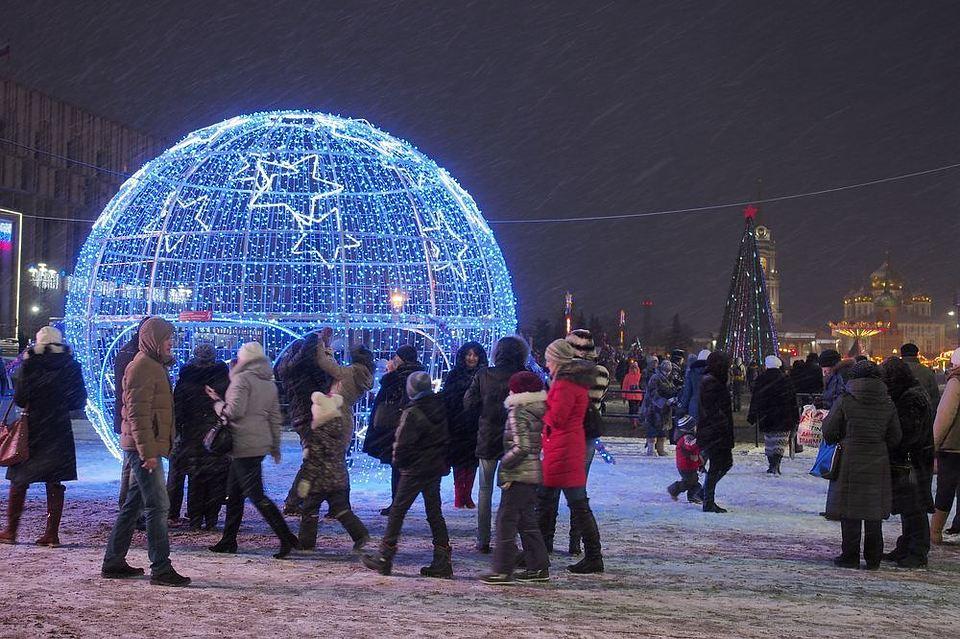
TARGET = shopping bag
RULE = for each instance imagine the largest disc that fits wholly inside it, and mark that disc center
(13, 439)
(809, 432)
(827, 465)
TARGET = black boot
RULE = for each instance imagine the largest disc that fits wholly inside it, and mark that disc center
(592, 561)
(776, 464)
(575, 537)
(770, 465)
(270, 512)
(309, 521)
(355, 528)
(441, 566)
(381, 561)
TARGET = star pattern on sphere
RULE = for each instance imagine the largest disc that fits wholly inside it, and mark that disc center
(157, 225)
(439, 234)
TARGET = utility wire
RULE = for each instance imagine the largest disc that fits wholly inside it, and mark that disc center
(27, 147)
(712, 207)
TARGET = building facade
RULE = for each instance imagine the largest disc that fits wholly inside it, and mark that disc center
(59, 166)
(768, 260)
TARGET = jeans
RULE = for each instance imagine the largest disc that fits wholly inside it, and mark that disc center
(125, 479)
(719, 461)
(516, 514)
(689, 483)
(872, 540)
(148, 494)
(407, 490)
(246, 480)
(488, 476)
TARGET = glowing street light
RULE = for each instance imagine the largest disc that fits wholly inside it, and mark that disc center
(34, 309)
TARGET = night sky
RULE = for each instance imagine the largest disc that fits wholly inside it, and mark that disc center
(565, 109)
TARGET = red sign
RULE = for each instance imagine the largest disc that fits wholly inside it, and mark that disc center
(196, 316)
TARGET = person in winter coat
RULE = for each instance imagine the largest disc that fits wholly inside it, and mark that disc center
(49, 385)
(715, 427)
(911, 464)
(389, 403)
(146, 437)
(864, 422)
(252, 409)
(657, 408)
(564, 449)
(925, 376)
(420, 455)
(301, 376)
(486, 394)
(946, 441)
(650, 368)
(632, 386)
(738, 377)
(688, 403)
(809, 378)
(464, 423)
(323, 475)
(193, 410)
(689, 462)
(773, 409)
(836, 372)
(123, 358)
(519, 478)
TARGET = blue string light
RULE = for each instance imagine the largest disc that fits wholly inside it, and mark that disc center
(280, 223)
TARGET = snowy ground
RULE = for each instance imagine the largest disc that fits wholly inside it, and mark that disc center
(760, 571)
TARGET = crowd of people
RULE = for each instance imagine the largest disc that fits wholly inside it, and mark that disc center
(531, 433)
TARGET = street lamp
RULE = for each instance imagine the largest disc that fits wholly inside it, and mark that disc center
(34, 309)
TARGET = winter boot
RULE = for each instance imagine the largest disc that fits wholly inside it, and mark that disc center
(381, 561)
(18, 495)
(441, 566)
(937, 522)
(770, 465)
(776, 463)
(51, 535)
(575, 537)
(308, 530)
(355, 528)
(592, 561)
(547, 517)
(650, 451)
(660, 446)
(288, 541)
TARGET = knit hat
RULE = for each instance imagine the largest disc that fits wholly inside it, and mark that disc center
(561, 351)
(686, 424)
(419, 385)
(407, 353)
(204, 354)
(582, 340)
(772, 361)
(909, 350)
(49, 335)
(829, 358)
(865, 368)
(250, 351)
(703, 355)
(525, 382)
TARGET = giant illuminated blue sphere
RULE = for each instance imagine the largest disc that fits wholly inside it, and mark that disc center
(271, 225)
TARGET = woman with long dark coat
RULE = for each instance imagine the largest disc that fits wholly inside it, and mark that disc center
(206, 471)
(773, 408)
(49, 385)
(463, 423)
(715, 427)
(864, 422)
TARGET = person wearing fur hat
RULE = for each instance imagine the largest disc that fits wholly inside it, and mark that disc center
(715, 427)
(864, 422)
(252, 409)
(689, 462)
(773, 410)
(564, 449)
(657, 408)
(194, 417)
(519, 478)
(146, 437)
(387, 406)
(420, 455)
(49, 385)
(927, 378)
(486, 394)
(836, 371)
(464, 424)
(323, 475)
(946, 441)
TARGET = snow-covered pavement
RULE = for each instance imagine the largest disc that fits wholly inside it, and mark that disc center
(762, 570)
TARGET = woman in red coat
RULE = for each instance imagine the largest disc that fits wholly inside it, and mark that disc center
(564, 445)
(632, 387)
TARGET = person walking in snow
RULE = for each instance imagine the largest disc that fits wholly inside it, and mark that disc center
(632, 386)
(519, 478)
(252, 409)
(49, 385)
(420, 456)
(715, 427)
(464, 424)
(773, 409)
(657, 408)
(689, 462)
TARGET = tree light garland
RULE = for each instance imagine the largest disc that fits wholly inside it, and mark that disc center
(278, 224)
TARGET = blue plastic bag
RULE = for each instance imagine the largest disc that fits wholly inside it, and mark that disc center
(827, 465)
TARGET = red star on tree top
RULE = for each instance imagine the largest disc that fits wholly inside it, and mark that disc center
(750, 212)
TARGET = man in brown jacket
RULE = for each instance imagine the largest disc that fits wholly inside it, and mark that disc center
(146, 436)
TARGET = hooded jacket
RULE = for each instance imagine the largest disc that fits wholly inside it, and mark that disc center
(632, 384)
(387, 408)
(522, 439)
(420, 448)
(124, 356)
(324, 464)
(488, 391)
(50, 385)
(773, 406)
(564, 443)
(252, 408)
(464, 423)
(147, 411)
(864, 421)
(356, 380)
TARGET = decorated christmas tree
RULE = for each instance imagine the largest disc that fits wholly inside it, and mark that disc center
(748, 331)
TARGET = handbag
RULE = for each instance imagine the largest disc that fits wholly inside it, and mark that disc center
(827, 465)
(14, 439)
(219, 439)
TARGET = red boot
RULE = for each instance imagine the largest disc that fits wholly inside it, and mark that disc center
(51, 536)
(18, 495)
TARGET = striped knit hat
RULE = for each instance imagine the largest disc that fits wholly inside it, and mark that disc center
(582, 340)
(560, 351)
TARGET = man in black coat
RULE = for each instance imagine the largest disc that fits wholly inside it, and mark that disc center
(715, 427)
